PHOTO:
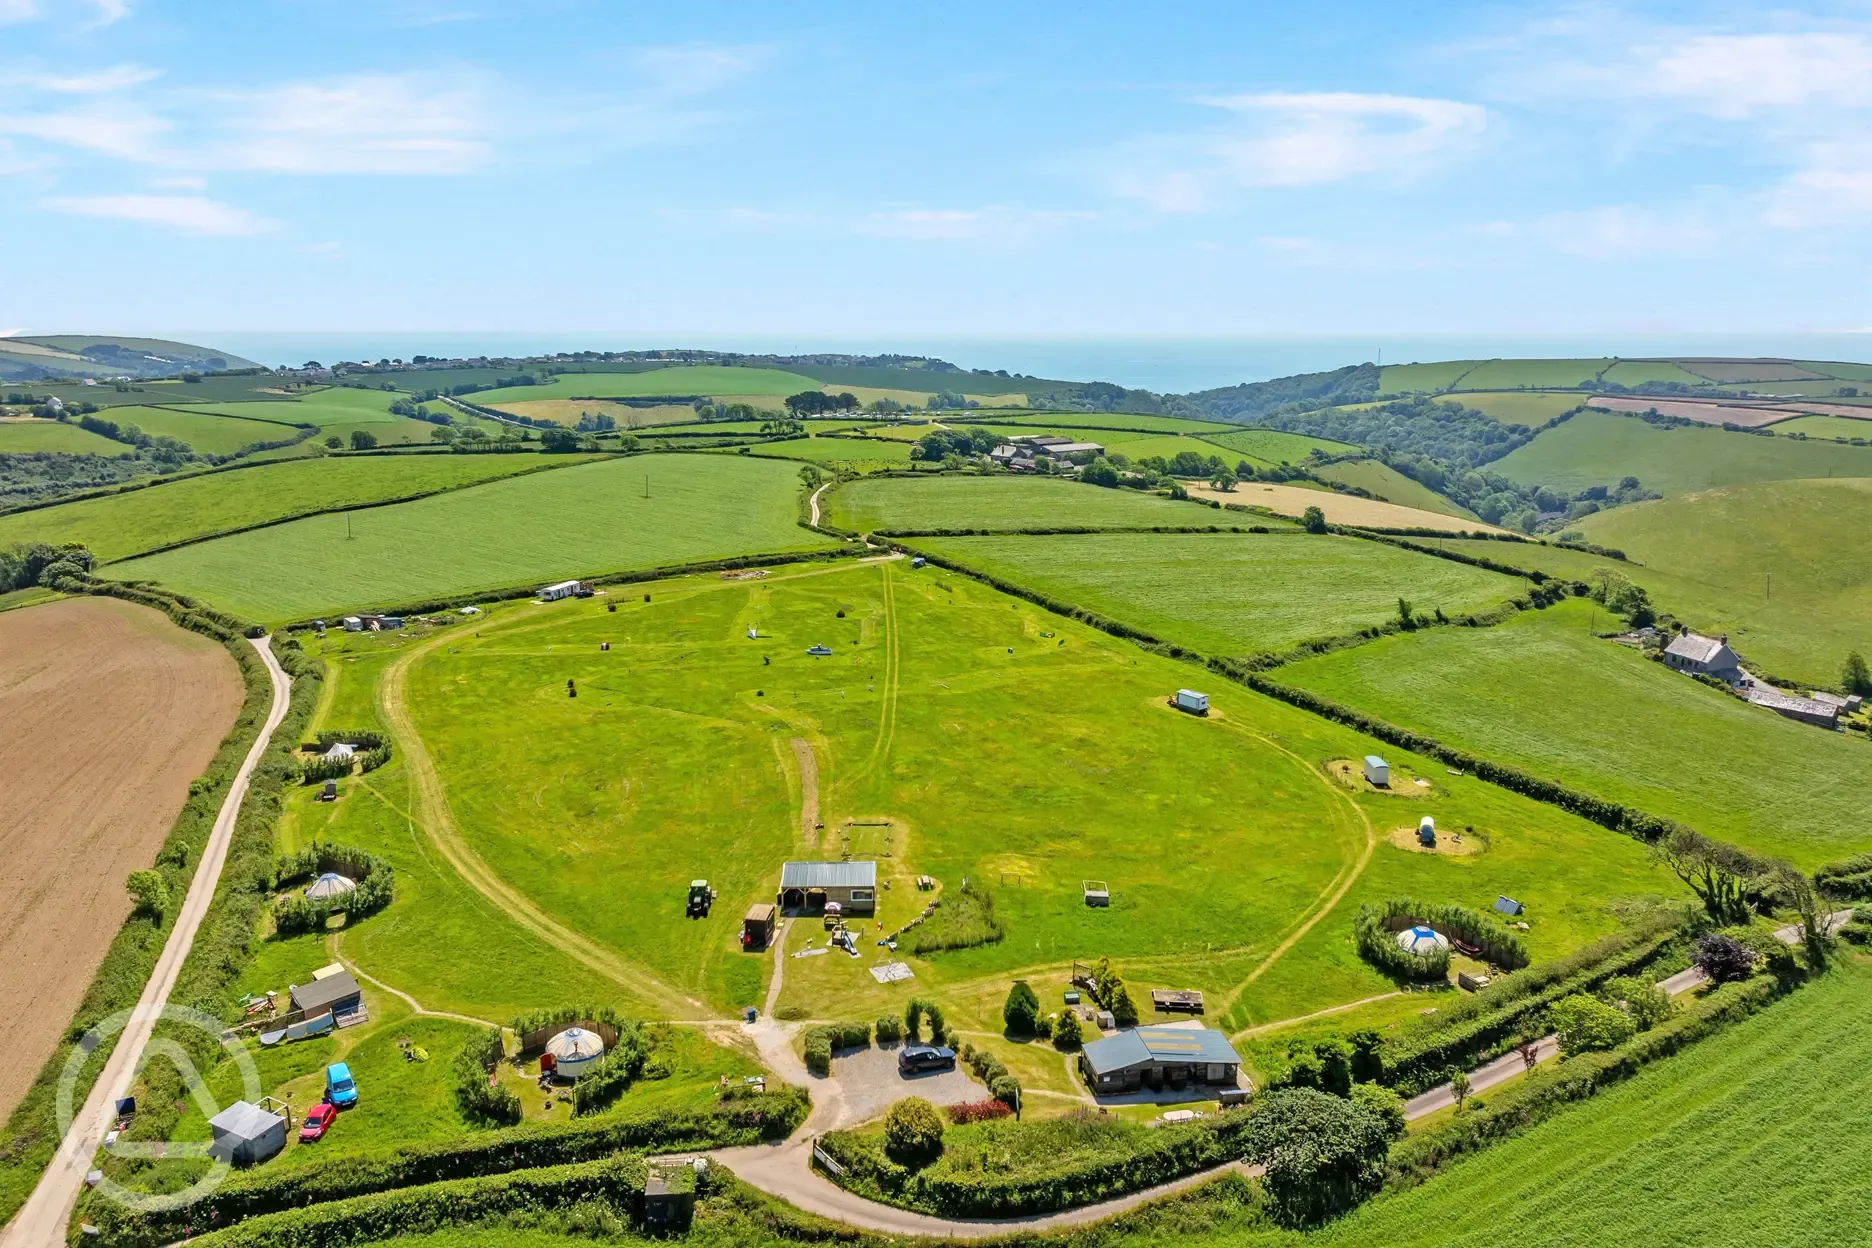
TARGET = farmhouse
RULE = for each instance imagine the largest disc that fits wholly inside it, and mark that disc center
(1159, 1056)
(811, 886)
(1704, 656)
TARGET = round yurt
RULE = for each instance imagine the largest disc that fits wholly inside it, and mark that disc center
(575, 1049)
(1422, 942)
(330, 887)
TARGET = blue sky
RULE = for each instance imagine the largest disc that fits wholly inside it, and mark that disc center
(670, 171)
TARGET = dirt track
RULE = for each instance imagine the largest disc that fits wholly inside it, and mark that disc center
(110, 711)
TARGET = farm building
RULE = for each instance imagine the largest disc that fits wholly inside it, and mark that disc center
(757, 927)
(1807, 710)
(564, 589)
(245, 1134)
(371, 623)
(1377, 770)
(811, 886)
(1703, 656)
(1193, 702)
(1159, 1056)
(336, 994)
(1066, 450)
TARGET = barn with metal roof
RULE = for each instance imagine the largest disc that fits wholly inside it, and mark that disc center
(812, 886)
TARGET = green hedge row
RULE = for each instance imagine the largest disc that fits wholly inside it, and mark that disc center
(390, 1215)
(821, 1041)
(374, 876)
(1484, 1026)
(1377, 939)
(1173, 1152)
(1052, 530)
(478, 1095)
(253, 1193)
(1549, 1089)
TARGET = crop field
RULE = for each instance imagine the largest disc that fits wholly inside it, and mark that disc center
(210, 433)
(1123, 421)
(1713, 1148)
(1526, 408)
(18, 437)
(117, 526)
(1801, 550)
(1639, 372)
(1232, 593)
(1427, 377)
(580, 521)
(1274, 446)
(111, 713)
(687, 379)
(1002, 503)
(1828, 426)
(1749, 416)
(1531, 374)
(260, 389)
(1293, 500)
(567, 411)
(1393, 486)
(984, 733)
(1598, 448)
(1543, 693)
(840, 450)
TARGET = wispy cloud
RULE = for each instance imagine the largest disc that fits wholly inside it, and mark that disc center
(1294, 139)
(407, 123)
(12, 11)
(1003, 222)
(191, 214)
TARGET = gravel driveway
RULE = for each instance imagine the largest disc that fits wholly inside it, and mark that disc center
(869, 1082)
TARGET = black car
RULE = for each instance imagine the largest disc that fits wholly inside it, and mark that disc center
(919, 1057)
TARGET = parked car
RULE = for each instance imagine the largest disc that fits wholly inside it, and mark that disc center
(340, 1087)
(916, 1057)
(318, 1121)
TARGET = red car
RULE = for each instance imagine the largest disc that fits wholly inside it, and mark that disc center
(318, 1121)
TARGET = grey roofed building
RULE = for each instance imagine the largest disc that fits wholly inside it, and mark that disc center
(1155, 1055)
(1709, 656)
(812, 886)
(245, 1134)
(337, 993)
(1073, 448)
(1806, 710)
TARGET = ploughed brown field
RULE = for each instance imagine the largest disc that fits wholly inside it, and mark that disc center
(107, 713)
(1708, 413)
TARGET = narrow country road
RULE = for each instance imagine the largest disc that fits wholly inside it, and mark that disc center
(785, 1169)
(42, 1220)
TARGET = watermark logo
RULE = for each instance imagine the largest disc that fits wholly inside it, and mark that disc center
(164, 1047)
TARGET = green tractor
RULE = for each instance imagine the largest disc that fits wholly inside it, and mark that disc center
(701, 899)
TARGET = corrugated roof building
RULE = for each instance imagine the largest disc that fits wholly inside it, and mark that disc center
(812, 886)
(1159, 1056)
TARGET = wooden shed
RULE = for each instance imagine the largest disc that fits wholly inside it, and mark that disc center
(757, 928)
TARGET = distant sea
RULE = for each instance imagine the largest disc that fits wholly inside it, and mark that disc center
(1166, 365)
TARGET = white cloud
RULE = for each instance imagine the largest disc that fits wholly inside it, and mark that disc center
(192, 214)
(1626, 232)
(181, 182)
(109, 12)
(98, 82)
(1307, 139)
(113, 127)
(1286, 139)
(365, 123)
(17, 11)
(994, 222)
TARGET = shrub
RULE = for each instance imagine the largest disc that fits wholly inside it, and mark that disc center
(1313, 520)
(149, 892)
(977, 1111)
(1384, 1104)
(362, 440)
(913, 1132)
(889, 1029)
(480, 1098)
(918, 1009)
(1645, 1002)
(823, 1039)
(601, 1084)
(1021, 1011)
(1323, 1155)
(1068, 1036)
(962, 920)
(1723, 958)
(1123, 1009)
(1585, 1024)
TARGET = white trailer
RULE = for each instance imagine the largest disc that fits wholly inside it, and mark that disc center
(1193, 702)
(564, 589)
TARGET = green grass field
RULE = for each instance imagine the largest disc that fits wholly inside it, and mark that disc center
(20, 437)
(688, 379)
(1107, 422)
(1432, 376)
(579, 521)
(339, 405)
(1531, 374)
(1598, 448)
(210, 433)
(1713, 1148)
(120, 525)
(1794, 555)
(1827, 426)
(1005, 503)
(1638, 372)
(1393, 486)
(1543, 693)
(1527, 408)
(892, 452)
(1274, 446)
(1232, 593)
(1002, 742)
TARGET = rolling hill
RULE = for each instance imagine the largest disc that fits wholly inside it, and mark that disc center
(30, 357)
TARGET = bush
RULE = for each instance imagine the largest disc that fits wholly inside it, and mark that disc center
(1585, 1024)
(1323, 1155)
(977, 1111)
(889, 1029)
(1123, 1009)
(1068, 1035)
(918, 1009)
(479, 1097)
(1384, 1104)
(1722, 957)
(1021, 1011)
(600, 1085)
(822, 1040)
(150, 893)
(913, 1132)
(1643, 1001)
(361, 440)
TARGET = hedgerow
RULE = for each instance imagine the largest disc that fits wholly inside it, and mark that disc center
(1377, 924)
(479, 1096)
(822, 1040)
(374, 876)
